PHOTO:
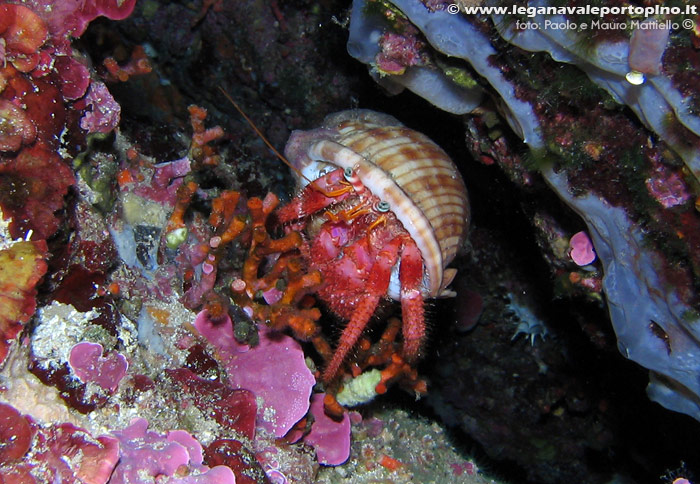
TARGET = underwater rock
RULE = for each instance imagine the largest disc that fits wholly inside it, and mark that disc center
(661, 334)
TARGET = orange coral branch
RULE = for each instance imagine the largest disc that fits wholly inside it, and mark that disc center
(223, 208)
(137, 65)
(200, 151)
(185, 192)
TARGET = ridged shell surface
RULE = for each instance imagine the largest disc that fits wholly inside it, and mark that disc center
(422, 170)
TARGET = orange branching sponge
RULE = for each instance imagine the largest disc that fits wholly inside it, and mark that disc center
(200, 151)
(283, 286)
(137, 65)
(274, 287)
(22, 265)
(185, 192)
(273, 283)
(399, 370)
(386, 352)
(222, 218)
(331, 407)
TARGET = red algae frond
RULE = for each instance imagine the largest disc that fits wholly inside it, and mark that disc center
(16, 129)
(24, 33)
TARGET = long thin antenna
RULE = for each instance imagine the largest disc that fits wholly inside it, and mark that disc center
(262, 136)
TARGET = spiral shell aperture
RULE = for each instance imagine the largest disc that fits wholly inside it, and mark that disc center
(403, 167)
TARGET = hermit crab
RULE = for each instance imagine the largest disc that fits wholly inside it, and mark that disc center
(384, 210)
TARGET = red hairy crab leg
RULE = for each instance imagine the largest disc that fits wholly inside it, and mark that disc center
(377, 286)
(412, 304)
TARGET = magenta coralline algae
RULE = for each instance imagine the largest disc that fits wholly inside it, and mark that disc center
(167, 178)
(88, 363)
(104, 113)
(275, 371)
(146, 455)
(581, 249)
(330, 438)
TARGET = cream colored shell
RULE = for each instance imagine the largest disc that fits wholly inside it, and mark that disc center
(417, 178)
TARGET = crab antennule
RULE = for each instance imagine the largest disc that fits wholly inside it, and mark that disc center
(262, 136)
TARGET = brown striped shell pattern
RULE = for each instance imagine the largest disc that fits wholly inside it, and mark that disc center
(403, 167)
